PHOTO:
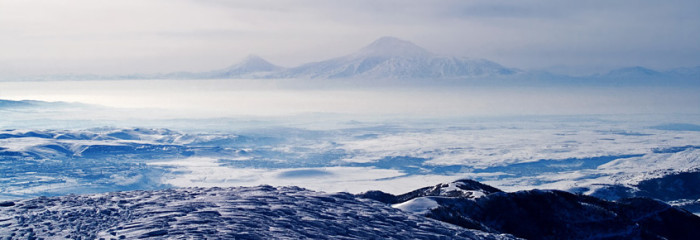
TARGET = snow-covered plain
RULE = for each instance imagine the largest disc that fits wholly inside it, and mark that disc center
(337, 152)
(204, 133)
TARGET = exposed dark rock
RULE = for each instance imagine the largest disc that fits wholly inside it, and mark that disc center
(553, 214)
(442, 189)
(685, 185)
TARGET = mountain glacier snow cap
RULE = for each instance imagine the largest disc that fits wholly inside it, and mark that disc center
(393, 47)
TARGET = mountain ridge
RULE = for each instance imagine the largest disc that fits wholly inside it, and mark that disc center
(390, 58)
(443, 211)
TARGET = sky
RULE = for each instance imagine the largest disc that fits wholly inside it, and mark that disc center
(39, 37)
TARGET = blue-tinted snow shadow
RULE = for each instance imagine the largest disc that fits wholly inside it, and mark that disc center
(677, 127)
(305, 173)
(549, 166)
(419, 166)
(674, 149)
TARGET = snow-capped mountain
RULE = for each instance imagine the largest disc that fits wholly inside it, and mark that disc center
(389, 57)
(385, 58)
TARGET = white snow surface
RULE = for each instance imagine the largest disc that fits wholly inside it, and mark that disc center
(624, 171)
(392, 58)
(455, 187)
(485, 146)
(206, 172)
(421, 205)
(355, 157)
(261, 212)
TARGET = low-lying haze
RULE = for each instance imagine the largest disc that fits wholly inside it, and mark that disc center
(232, 98)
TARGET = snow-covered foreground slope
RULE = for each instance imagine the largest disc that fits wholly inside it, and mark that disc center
(261, 212)
(463, 209)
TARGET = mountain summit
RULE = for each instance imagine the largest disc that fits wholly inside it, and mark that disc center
(383, 59)
(391, 46)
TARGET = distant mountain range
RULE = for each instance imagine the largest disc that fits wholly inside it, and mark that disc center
(385, 58)
(393, 58)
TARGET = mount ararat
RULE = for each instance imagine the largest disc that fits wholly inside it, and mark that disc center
(385, 58)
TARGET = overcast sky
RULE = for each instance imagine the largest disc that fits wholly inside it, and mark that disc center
(148, 36)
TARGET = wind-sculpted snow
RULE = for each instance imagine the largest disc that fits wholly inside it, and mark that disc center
(261, 212)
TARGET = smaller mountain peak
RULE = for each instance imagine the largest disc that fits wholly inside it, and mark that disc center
(250, 64)
(252, 58)
(392, 46)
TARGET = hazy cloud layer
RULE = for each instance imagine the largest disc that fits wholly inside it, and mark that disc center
(99, 36)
